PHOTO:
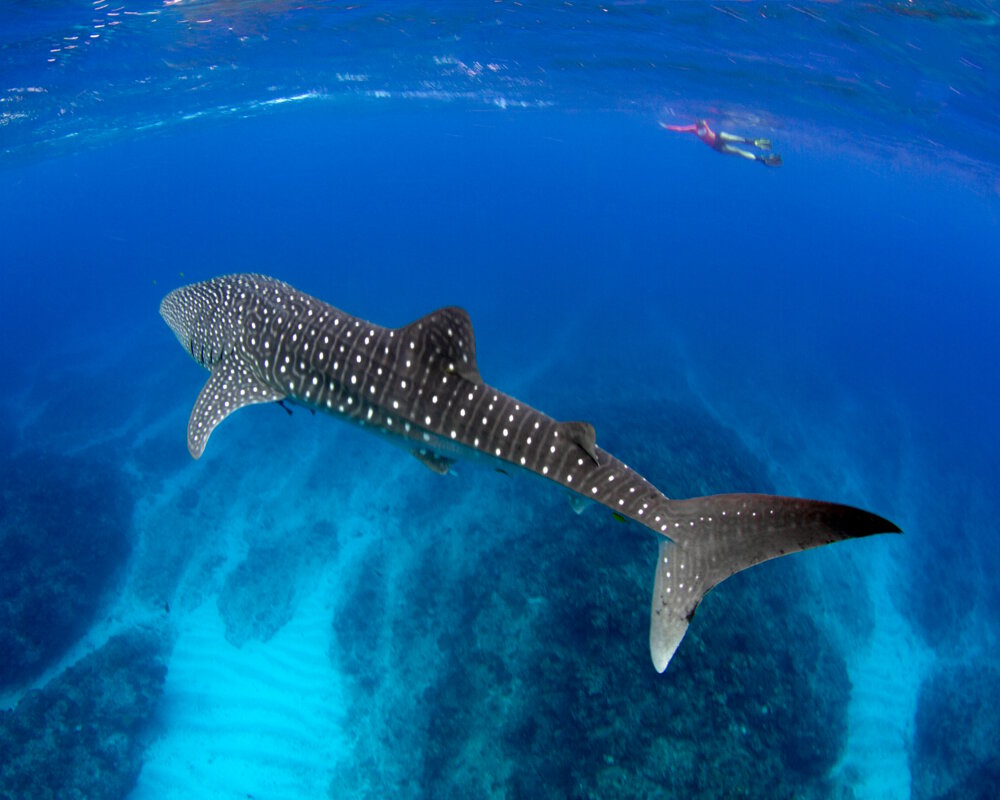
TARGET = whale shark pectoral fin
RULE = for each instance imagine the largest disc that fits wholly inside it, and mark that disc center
(231, 386)
(446, 336)
(434, 462)
(582, 433)
(717, 536)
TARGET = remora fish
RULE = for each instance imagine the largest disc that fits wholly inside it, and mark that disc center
(264, 341)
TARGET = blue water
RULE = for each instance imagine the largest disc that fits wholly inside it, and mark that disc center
(306, 611)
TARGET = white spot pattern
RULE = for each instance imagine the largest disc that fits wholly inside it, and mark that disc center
(249, 330)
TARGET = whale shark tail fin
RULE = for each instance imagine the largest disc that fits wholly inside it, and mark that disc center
(720, 535)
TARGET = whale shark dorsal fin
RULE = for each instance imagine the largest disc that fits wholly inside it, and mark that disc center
(231, 386)
(582, 433)
(446, 336)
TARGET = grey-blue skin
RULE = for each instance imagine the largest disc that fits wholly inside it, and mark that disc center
(264, 341)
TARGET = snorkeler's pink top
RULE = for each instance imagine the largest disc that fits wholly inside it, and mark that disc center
(700, 129)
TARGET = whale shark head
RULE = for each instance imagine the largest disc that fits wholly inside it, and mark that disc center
(205, 318)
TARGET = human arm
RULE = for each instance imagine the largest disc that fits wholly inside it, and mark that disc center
(679, 128)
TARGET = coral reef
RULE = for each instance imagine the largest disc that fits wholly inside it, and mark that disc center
(64, 537)
(82, 736)
(954, 753)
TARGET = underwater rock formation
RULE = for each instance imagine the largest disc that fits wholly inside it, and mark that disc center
(954, 752)
(64, 537)
(258, 596)
(82, 736)
(256, 600)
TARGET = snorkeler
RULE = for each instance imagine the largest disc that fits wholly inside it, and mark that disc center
(724, 143)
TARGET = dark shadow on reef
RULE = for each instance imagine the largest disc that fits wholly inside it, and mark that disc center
(82, 736)
(525, 674)
(64, 537)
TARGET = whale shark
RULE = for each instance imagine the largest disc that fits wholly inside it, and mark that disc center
(265, 341)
